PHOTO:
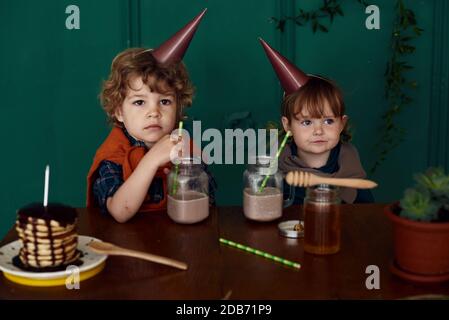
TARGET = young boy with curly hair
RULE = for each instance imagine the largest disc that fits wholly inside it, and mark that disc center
(144, 98)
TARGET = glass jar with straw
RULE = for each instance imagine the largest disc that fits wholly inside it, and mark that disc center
(188, 198)
(188, 187)
(263, 188)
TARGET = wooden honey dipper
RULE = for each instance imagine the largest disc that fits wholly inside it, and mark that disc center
(307, 179)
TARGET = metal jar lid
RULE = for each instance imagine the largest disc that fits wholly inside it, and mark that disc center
(287, 229)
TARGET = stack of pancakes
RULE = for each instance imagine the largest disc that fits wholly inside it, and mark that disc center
(48, 236)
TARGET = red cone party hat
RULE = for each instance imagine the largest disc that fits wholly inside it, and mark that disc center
(173, 50)
(289, 75)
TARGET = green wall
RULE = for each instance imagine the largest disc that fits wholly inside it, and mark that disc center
(50, 78)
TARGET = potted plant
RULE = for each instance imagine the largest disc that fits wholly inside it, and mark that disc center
(421, 229)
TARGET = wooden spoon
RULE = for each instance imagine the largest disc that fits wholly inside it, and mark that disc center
(307, 179)
(111, 249)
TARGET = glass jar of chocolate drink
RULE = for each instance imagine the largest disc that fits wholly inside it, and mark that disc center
(188, 192)
(263, 203)
(322, 220)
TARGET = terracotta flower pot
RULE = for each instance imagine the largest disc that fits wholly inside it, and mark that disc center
(420, 248)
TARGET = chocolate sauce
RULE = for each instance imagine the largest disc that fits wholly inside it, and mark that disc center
(63, 214)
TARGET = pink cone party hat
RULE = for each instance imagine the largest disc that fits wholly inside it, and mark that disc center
(289, 75)
(173, 50)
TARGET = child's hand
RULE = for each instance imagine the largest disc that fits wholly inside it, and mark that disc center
(160, 152)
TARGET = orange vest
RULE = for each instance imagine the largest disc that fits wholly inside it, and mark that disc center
(117, 148)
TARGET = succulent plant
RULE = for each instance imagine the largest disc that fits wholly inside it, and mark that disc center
(428, 197)
(437, 183)
(418, 205)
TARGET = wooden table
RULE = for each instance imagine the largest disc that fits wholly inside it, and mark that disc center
(216, 271)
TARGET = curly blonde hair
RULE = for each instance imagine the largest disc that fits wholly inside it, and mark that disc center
(159, 78)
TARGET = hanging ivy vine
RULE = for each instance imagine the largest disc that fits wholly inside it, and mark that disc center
(329, 9)
(397, 85)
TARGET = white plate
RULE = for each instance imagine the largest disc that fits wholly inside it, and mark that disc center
(90, 260)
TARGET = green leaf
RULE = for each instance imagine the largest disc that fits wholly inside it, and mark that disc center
(281, 25)
(314, 25)
(417, 205)
(417, 30)
(413, 84)
(405, 39)
(339, 11)
(407, 66)
(434, 181)
(323, 28)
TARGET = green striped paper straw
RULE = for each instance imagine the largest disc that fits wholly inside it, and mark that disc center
(264, 182)
(261, 253)
(175, 178)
